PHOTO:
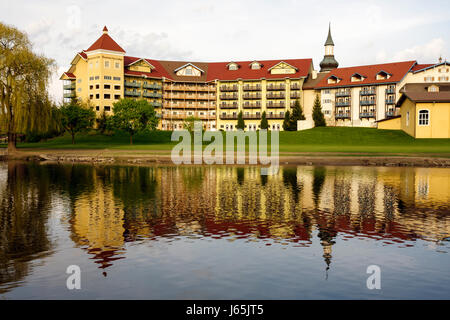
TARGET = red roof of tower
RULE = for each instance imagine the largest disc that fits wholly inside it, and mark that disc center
(105, 42)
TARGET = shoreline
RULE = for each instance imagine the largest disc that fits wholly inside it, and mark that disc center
(138, 157)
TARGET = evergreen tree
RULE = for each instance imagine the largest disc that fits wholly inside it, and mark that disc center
(287, 121)
(319, 119)
(297, 114)
(240, 122)
(264, 122)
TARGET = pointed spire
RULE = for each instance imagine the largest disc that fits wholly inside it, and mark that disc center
(329, 41)
(105, 30)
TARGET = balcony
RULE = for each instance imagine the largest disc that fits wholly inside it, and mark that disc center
(367, 102)
(275, 115)
(274, 105)
(276, 87)
(370, 92)
(69, 86)
(367, 114)
(156, 104)
(228, 105)
(342, 103)
(249, 105)
(251, 116)
(206, 97)
(342, 115)
(248, 95)
(132, 84)
(295, 95)
(228, 116)
(153, 86)
(343, 93)
(132, 93)
(152, 95)
(69, 94)
(229, 96)
(295, 86)
(248, 87)
(205, 88)
(390, 101)
(391, 113)
(229, 88)
(390, 90)
(272, 95)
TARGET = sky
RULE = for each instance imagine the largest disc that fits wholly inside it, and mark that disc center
(364, 32)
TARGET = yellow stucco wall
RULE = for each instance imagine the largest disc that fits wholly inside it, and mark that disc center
(408, 117)
(391, 124)
(439, 120)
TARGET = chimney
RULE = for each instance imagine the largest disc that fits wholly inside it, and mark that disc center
(314, 74)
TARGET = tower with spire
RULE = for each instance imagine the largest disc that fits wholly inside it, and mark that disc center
(329, 62)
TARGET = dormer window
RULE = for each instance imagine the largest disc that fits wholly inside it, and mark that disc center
(255, 65)
(383, 75)
(333, 79)
(433, 88)
(232, 66)
(357, 77)
(189, 70)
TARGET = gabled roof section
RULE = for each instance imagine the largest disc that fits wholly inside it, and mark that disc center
(385, 72)
(334, 76)
(187, 65)
(158, 72)
(423, 67)
(105, 42)
(67, 76)
(281, 63)
(358, 75)
(398, 71)
(232, 62)
(138, 60)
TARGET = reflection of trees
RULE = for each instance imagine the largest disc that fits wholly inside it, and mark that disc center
(318, 180)
(366, 199)
(23, 218)
(341, 196)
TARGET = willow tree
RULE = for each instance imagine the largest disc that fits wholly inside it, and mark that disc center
(24, 75)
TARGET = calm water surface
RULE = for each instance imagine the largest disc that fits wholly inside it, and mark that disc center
(166, 232)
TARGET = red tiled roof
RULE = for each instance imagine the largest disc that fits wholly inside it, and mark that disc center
(105, 42)
(418, 67)
(219, 70)
(157, 72)
(70, 75)
(397, 70)
(84, 55)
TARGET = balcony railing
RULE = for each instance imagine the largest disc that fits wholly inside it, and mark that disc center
(276, 87)
(132, 84)
(295, 86)
(153, 86)
(249, 105)
(390, 90)
(295, 94)
(275, 115)
(390, 101)
(248, 95)
(229, 88)
(343, 94)
(69, 86)
(272, 95)
(252, 116)
(342, 115)
(228, 105)
(367, 102)
(156, 104)
(69, 94)
(228, 116)
(229, 96)
(275, 105)
(248, 87)
(152, 95)
(132, 93)
(367, 115)
(370, 92)
(390, 113)
(342, 103)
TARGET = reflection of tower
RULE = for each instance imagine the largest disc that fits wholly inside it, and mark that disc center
(326, 236)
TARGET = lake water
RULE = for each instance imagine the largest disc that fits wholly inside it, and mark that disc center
(208, 232)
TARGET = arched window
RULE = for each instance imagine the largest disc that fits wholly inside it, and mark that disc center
(424, 117)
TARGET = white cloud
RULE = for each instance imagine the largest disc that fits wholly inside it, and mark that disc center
(426, 53)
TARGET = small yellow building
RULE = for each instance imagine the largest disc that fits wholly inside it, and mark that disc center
(424, 111)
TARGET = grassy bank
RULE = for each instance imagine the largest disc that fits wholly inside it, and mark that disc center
(330, 139)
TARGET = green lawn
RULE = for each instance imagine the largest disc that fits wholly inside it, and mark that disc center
(330, 139)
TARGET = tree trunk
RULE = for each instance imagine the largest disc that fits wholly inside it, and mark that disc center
(73, 138)
(131, 139)
(12, 141)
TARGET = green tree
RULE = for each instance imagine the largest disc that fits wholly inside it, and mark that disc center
(240, 121)
(264, 122)
(102, 122)
(133, 116)
(76, 117)
(24, 76)
(188, 123)
(297, 114)
(287, 121)
(319, 119)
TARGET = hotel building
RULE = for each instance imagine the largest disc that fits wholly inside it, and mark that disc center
(215, 92)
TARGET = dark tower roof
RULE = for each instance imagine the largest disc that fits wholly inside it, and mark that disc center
(329, 62)
(329, 41)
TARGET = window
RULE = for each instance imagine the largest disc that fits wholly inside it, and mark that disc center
(117, 65)
(428, 79)
(91, 78)
(107, 96)
(117, 78)
(423, 117)
(97, 96)
(91, 87)
(407, 119)
(91, 96)
(107, 86)
(443, 78)
(107, 108)
(79, 80)
(107, 77)
(117, 96)
(326, 91)
(97, 108)
(106, 64)
(116, 87)
(97, 77)
(188, 71)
